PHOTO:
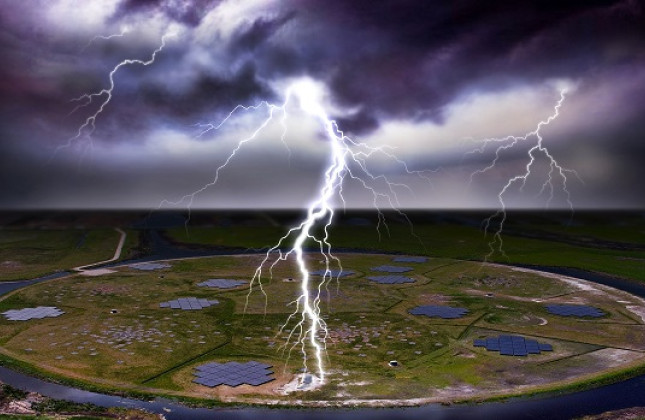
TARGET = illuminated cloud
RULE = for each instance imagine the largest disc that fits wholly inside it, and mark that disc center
(429, 81)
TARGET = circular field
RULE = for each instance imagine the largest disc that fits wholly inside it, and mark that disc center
(121, 330)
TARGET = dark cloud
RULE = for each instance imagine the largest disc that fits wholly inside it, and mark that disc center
(250, 38)
(358, 123)
(408, 58)
(389, 59)
(186, 12)
(382, 60)
(207, 93)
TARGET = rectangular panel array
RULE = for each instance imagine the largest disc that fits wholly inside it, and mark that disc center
(32, 313)
(512, 345)
(332, 273)
(392, 269)
(575, 310)
(391, 279)
(410, 259)
(233, 374)
(439, 311)
(222, 283)
(189, 303)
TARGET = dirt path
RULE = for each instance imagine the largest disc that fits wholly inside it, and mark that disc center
(86, 269)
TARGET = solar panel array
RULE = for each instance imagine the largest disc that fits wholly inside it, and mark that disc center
(410, 259)
(149, 266)
(391, 269)
(575, 310)
(188, 303)
(26, 314)
(513, 345)
(222, 283)
(333, 273)
(233, 374)
(391, 279)
(439, 311)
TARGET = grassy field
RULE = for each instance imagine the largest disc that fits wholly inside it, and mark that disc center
(146, 348)
(621, 227)
(438, 240)
(30, 253)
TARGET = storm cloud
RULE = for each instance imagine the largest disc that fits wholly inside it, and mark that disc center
(416, 75)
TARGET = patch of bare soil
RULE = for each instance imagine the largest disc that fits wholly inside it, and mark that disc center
(96, 272)
(457, 390)
(634, 413)
(434, 298)
(615, 357)
(21, 406)
(501, 295)
(496, 282)
(638, 310)
(108, 289)
(10, 265)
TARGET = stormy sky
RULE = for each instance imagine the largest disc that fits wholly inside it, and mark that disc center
(431, 79)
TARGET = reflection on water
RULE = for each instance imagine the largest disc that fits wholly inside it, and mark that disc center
(9, 286)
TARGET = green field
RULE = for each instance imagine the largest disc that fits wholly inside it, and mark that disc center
(30, 253)
(454, 241)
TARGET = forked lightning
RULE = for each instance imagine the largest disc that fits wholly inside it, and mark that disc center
(556, 171)
(103, 96)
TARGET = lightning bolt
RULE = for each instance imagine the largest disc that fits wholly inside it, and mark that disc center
(557, 173)
(103, 97)
(348, 159)
(124, 31)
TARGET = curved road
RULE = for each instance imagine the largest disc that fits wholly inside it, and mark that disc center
(117, 253)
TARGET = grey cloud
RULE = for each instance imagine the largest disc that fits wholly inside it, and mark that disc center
(413, 59)
(186, 12)
(252, 37)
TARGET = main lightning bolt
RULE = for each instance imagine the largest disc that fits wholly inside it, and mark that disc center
(557, 173)
(347, 159)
